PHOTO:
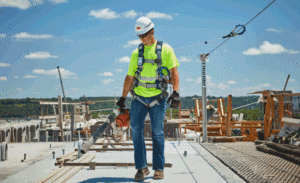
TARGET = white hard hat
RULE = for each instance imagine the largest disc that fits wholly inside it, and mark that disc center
(143, 25)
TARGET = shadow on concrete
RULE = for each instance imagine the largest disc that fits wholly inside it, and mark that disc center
(112, 179)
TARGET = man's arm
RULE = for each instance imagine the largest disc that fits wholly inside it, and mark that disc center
(127, 85)
(175, 78)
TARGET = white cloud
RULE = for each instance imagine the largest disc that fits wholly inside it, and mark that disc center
(268, 48)
(54, 72)
(40, 55)
(16, 77)
(232, 82)
(129, 14)
(21, 4)
(58, 1)
(104, 13)
(274, 30)
(2, 35)
(4, 64)
(19, 88)
(220, 86)
(250, 89)
(124, 59)
(252, 51)
(189, 79)
(30, 76)
(292, 80)
(108, 81)
(3, 78)
(293, 52)
(119, 70)
(25, 35)
(107, 74)
(36, 92)
(109, 14)
(25, 4)
(154, 14)
(264, 85)
(184, 59)
(135, 42)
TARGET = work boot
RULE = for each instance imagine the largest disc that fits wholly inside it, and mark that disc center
(141, 174)
(158, 174)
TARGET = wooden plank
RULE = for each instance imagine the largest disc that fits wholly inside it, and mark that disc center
(224, 140)
(66, 155)
(48, 117)
(288, 94)
(69, 158)
(58, 172)
(122, 144)
(74, 170)
(55, 103)
(110, 149)
(168, 165)
(291, 120)
(102, 109)
(68, 168)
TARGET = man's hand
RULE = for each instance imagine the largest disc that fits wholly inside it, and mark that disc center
(121, 102)
(175, 100)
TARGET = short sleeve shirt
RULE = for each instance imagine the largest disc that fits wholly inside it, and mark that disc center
(169, 61)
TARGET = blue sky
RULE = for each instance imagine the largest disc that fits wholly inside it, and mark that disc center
(92, 41)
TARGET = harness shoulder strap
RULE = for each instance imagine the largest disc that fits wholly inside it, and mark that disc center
(141, 55)
(158, 53)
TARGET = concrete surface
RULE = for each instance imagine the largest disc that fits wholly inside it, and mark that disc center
(192, 168)
(198, 166)
(39, 160)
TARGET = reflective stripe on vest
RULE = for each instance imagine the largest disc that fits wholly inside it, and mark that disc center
(147, 85)
(148, 79)
(151, 61)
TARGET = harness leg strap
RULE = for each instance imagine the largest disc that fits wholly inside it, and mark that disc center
(153, 103)
(142, 101)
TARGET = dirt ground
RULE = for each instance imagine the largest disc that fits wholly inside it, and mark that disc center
(34, 152)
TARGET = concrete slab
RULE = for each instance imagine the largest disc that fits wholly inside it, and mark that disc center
(39, 161)
(198, 166)
(192, 168)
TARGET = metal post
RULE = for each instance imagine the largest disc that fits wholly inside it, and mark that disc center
(170, 107)
(62, 88)
(60, 118)
(72, 121)
(115, 100)
(38, 134)
(204, 111)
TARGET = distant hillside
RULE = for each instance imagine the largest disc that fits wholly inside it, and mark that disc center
(20, 108)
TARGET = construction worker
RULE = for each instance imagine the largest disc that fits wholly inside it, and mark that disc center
(152, 66)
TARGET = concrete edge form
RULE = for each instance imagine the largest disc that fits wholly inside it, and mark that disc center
(224, 171)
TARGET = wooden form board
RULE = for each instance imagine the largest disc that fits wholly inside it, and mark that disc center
(66, 172)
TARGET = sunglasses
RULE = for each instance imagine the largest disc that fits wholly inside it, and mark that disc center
(143, 35)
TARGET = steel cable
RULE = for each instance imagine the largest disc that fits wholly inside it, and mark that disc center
(244, 25)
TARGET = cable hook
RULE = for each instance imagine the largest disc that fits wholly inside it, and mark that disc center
(233, 34)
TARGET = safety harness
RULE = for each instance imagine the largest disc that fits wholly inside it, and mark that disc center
(160, 79)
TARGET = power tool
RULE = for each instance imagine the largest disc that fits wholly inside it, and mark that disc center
(120, 122)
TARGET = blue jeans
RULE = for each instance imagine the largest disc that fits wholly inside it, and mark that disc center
(138, 113)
